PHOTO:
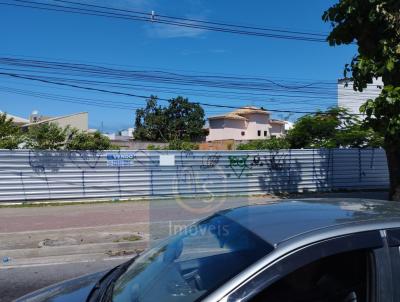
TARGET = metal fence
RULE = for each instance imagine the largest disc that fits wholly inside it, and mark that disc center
(27, 175)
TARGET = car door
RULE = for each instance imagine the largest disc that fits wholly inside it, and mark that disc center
(349, 268)
(393, 240)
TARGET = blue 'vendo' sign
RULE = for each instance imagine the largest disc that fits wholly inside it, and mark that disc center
(120, 159)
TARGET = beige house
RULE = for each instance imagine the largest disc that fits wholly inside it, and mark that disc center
(79, 120)
(244, 124)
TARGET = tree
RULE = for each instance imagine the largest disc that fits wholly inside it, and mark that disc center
(10, 134)
(185, 119)
(47, 136)
(181, 120)
(374, 26)
(150, 122)
(331, 129)
(79, 140)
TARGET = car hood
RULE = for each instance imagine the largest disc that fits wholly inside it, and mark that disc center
(74, 290)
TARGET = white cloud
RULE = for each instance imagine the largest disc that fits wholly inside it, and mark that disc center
(216, 51)
(166, 31)
(159, 30)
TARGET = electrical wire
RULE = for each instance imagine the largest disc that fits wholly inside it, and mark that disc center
(143, 96)
(104, 11)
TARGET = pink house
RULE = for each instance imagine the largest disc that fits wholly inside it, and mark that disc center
(246, 123)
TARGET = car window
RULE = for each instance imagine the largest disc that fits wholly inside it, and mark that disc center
(339, 278)
(339, 268)
(191, 264)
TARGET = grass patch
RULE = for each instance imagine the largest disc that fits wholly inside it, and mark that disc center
(128, 238)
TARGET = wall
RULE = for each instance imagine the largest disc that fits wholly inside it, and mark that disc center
(277, 130)
(224, 129)
(257, 122)
(352, 100)
(41, 175)
(79, 121)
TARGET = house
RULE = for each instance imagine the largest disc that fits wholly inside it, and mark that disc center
(77, 120)
(128, 132)
(122, 139)
(352, 100)
(244, 124)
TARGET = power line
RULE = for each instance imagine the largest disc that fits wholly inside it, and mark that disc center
(231, 82)
(196, 20)
(125, 86)
(202, 72)
(63, 99)
(96, 10)
(298, 95)
(141, 96)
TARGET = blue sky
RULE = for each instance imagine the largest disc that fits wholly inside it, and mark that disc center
(135, 45)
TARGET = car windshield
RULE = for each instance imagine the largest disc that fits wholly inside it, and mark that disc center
(191, 264)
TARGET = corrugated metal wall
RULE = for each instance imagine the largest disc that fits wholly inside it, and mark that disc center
(27, 175)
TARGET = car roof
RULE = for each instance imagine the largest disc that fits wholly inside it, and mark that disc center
(280, 221)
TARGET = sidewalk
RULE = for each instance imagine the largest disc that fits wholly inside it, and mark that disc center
(70, 233)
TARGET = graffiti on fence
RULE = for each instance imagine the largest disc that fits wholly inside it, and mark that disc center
(51, 161)
(84, 159)
(209, 161)
(42, 161)
(238, 164)
(274, 161)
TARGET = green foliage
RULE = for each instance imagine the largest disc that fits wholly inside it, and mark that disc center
(374, 26)
(265, 144)
(152, 147)
(150, 122)
(47, 136)
(332, 129)
(185, 119)
(180, 120)
(88, 141)
(383, 115)
(10, 134)
(176, 145)
(182, 145)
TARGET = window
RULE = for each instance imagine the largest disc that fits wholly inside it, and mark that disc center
(265, 133)
(333, 270)
(192, 263)
(259, 132)
(341, 277)
(243, 133)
